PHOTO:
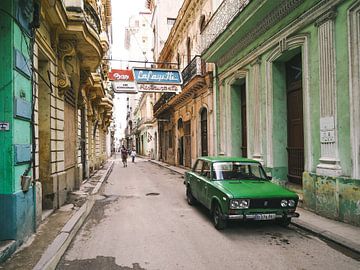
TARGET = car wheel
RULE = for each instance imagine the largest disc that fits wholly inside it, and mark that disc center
(189, 197)
(219, 221)
(285, 222)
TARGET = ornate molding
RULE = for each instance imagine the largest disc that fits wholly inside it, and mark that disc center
(329, 16)
(66, 51)
(283, 9)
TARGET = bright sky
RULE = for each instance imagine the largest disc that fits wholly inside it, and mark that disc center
(122, 10)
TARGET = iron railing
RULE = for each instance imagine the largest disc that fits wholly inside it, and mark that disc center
(196, 67)
(162, 100)
(92, 18)
(223, 16)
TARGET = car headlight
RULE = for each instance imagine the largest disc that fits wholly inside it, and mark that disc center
(284, 203)
(291, 203)
(287, 203)
(239, 204)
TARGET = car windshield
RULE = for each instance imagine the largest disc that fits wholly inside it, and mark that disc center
(238, 170)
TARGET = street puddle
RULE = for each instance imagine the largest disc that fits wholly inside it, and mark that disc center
(153, 194)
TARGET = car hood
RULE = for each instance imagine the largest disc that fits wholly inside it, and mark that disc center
(255, 189)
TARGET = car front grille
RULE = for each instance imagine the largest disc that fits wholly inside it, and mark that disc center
(265, 203)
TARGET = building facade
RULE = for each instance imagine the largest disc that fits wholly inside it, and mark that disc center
(186, 119)
(63, 106)
(17, 196)
(287, 94)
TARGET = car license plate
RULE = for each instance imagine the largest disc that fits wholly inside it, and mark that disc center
(264, 216)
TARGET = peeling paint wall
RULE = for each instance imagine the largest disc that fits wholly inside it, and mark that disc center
(336, 198)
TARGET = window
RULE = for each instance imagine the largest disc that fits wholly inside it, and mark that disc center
(202, 23)
(238, 170)
(171, 21)
(198, 166)
(206, 170)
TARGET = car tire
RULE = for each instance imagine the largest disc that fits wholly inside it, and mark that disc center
(189, 196)
(285, 222)
(217, 214)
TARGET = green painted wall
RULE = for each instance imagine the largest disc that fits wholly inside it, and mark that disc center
(6, 97)
(333, 197)
(17, 206)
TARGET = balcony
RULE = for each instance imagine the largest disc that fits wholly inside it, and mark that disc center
(197, 67)
(161, 103)
(92, 18)
(224, 15)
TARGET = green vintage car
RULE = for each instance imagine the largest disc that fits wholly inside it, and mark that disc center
(235, 188)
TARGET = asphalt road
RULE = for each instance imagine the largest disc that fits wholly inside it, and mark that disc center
(142, 221)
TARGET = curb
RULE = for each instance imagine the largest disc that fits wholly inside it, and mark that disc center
(57, 248)
(329, 236)
(7, 250)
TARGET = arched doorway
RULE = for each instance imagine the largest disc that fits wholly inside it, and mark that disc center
(295, 126)
(180, 150)
(204, 132)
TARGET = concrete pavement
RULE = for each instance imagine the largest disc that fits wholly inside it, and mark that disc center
(46, 256)
(338, 232)
(44, 249)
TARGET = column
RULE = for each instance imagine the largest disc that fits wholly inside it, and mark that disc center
(329, 160)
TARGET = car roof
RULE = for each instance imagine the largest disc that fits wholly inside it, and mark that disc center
(226, 158)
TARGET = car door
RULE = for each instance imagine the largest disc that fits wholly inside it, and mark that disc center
(203, 184)
(195, 178)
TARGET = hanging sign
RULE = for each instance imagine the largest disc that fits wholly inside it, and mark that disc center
(122, 81)
(159, 88)
(121, 75)
(157, 76)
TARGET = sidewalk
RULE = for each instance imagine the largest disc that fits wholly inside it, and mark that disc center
(338, 232)
(45, 248)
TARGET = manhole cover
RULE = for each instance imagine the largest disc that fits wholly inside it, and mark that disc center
(152, 194)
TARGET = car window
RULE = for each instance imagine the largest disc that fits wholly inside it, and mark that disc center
(198, 166)
(238, 170)
(206, 170)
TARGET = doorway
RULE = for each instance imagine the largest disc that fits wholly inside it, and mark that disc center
(295, 126)
(187, 143)
(204, 132)
(180, 142)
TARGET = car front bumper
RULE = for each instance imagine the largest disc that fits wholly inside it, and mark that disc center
(254, 216)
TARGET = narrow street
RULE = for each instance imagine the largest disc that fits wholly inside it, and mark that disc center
(142, 221)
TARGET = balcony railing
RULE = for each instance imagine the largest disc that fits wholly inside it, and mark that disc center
(162, 100)
(196, 67)
(92, 18)
(224, 15)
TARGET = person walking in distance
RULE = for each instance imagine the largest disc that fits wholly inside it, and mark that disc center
(133, 154)
(124, 155)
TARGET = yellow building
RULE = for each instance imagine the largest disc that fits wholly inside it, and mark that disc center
(73, 107)
(185, 120)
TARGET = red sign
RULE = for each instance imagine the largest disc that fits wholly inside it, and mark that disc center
(121, 75)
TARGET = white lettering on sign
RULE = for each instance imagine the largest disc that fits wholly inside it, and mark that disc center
(150, 76)
(159, 88)
(121, 77)
(4, 126)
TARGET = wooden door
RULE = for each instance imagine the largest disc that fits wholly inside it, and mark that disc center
(187, 142)
(243, 121)
(295, 127)
(204, 133)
